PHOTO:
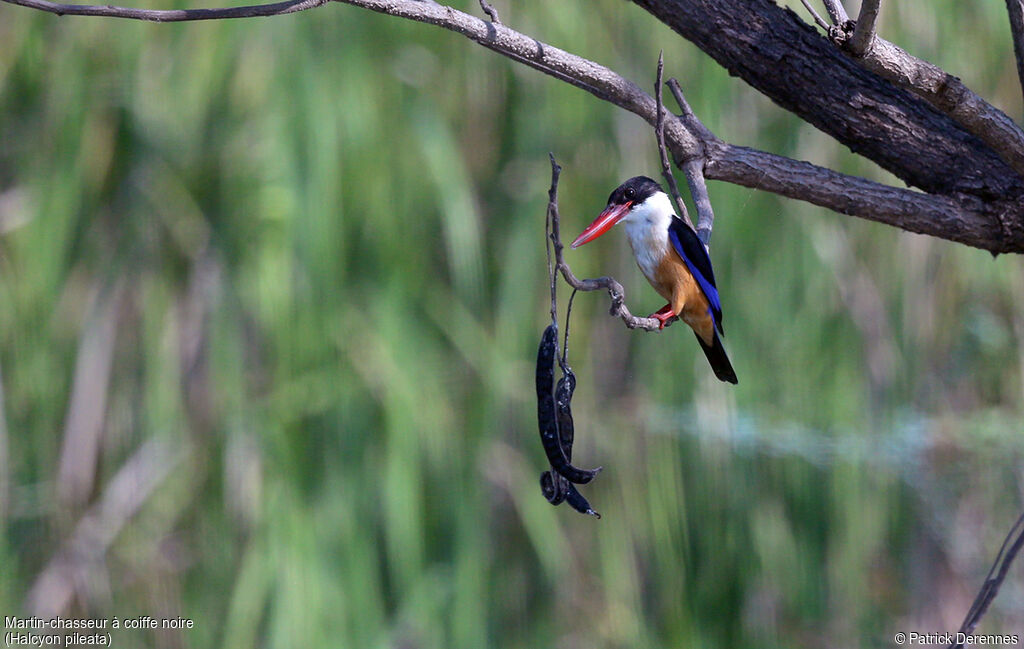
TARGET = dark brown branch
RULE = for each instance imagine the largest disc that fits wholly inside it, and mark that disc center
(864, 32)
(1015, 9)
(659, 132)
(996, 575)
(171, 15)
(942, 90)
(779, 54)
(909, 210)
(615, 290)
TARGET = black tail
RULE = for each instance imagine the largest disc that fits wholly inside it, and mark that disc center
(718, 359)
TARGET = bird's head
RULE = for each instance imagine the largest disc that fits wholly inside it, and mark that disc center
(632, 198)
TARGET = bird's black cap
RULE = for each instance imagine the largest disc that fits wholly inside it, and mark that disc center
(636, 190)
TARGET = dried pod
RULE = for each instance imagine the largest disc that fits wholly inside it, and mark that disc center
(547, 416)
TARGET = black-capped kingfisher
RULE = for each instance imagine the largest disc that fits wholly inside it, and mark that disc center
(672, 259)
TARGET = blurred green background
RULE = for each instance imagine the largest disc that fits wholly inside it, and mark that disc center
(270, 294)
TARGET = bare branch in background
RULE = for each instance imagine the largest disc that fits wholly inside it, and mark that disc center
(615, 290)
(170, 15)
(56, 586)
(864, 32)
(996, 575)
(659, 132)
(836, 11)
(87, 409)
(1015, 9)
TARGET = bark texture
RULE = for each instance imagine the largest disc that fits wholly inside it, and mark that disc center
(779, 54)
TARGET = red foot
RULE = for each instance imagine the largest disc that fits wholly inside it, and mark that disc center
(664, 315)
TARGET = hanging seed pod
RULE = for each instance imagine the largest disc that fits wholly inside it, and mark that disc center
(547, 412)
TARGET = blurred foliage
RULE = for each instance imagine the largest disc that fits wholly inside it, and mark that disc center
(316, 244)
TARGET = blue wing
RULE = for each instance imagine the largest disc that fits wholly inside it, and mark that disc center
(695, 256)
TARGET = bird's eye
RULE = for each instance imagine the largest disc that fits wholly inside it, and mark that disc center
(630, 193)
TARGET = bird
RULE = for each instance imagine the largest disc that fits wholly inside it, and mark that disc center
(672, 258)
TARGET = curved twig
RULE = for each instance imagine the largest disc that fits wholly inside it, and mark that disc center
(996, 575)
(615, 290)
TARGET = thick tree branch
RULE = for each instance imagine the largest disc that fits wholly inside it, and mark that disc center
(171, 15)
(779, 54)
(864, 32)
(1015, 8)
(906, 209)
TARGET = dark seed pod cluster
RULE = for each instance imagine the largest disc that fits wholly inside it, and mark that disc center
(554, 417)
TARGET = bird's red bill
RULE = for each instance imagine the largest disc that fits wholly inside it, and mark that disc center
(604, 222)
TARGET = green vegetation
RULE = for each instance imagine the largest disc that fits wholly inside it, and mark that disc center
(316, 244)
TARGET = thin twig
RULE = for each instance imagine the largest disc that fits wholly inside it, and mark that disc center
(1015, 8)
(996, 575)
(864, 32)
(659, 132)
(836, 11)
(563, 361)
(615, 290)
(817, 17)
(491, 12)
(171, 15)
(694, 168)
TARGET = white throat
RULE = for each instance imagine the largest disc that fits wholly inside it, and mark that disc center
(647, 228)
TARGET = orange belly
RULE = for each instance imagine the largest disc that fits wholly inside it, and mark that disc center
(674, 282)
